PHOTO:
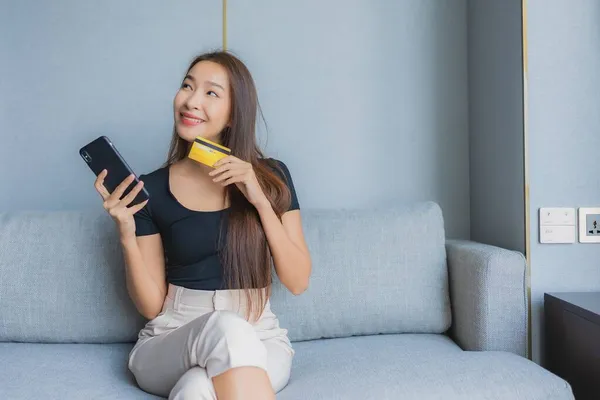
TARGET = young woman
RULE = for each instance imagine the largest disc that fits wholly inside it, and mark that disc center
(200, 251)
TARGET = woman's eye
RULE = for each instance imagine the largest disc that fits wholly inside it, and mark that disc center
(213, 93)
(186, 86)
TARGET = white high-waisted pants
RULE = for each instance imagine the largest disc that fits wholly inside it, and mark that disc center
(200, 334)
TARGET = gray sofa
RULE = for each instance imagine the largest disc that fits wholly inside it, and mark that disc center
(393, 311)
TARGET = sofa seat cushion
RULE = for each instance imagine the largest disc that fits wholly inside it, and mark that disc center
(31, 371)
(414, 366)
(408, 366)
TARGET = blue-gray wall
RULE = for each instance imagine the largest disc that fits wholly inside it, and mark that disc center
(367, 103)
(73, 70)
(497, 174)
(564, 139)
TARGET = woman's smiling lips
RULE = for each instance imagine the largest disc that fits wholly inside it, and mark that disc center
(190, 119)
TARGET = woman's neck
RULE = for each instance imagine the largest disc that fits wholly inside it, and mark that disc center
(192, 171)
(189, 166)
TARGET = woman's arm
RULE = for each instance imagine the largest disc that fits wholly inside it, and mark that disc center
(285, 237)
(288, 247)
(144, 260)
(145, 273)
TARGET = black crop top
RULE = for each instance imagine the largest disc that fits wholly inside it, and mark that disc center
(189, 238)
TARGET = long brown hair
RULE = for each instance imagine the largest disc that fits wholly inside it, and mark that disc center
(245, 254)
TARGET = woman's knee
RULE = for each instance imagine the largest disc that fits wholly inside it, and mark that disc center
(237, 344)
(279, 365)
(193, 385)
(232, 326)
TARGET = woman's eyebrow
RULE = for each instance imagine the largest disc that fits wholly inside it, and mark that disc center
(210, 83)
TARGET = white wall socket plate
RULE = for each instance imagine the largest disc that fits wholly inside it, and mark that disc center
(557, 234)
(589, 225)
(557, 216)
(557, 225)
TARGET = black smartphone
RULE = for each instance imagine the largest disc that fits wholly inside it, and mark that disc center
(102, 154)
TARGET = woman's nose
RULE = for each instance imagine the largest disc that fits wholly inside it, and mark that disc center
(195, 101)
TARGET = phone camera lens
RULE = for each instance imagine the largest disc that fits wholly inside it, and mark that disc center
(86, 156)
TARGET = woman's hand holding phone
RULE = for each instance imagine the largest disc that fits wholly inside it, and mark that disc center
(117, 207)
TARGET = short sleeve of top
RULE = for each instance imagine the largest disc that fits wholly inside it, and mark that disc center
(144, 223)
(287, 178)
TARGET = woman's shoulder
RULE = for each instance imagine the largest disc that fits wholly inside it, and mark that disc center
(157, 178)
(277, 165)
(282, 170)
(157, 174)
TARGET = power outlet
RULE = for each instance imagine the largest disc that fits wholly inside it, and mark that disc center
(592, 225)
(589, 225)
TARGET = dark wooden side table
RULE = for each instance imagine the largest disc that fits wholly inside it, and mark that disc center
(572, 340)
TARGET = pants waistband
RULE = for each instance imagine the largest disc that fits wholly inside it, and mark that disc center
(217, 299)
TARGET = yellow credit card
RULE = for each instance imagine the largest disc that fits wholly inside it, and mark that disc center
(206, 152)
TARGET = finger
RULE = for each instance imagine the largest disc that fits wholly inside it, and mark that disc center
(138, 207)
(227, 175)
(233, 179)
(227, 160)
(104, 193)
(99, 185)
(100, 177)
(122, 186)
(226, 167)
(219, 170)
(131, 195)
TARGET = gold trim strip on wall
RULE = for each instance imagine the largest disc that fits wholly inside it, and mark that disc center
(224, 25)
(526, 178)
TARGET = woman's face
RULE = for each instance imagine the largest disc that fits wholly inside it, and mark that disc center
(202, 104)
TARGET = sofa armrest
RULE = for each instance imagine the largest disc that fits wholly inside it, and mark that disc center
(488, 297)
